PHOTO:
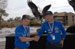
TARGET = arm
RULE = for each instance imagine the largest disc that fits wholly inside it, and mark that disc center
(62, 42)
(26, 39)
(63, 35)
(36, 38)
(19, 35)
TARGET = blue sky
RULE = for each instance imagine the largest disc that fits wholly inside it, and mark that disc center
(16, 8)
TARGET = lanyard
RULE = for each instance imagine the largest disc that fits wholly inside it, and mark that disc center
(51, 28)
(26, 32)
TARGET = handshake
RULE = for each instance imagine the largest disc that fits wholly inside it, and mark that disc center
(36, 38)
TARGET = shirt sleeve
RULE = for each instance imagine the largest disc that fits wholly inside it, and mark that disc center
(63, 31)
(18, 32)
(41, 30)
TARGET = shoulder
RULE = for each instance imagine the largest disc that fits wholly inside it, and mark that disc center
(58, 22)
(45, 23)
(19, 27)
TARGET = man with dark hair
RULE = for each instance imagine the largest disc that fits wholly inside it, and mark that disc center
(22, 34)
(55, 32)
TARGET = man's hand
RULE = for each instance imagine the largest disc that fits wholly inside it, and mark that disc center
(36, 38)
(62, 42)
(26, 39)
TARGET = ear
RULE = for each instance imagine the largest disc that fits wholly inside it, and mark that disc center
(46, 8)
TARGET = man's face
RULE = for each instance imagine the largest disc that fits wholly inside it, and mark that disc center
(26, 22)
(49, 17)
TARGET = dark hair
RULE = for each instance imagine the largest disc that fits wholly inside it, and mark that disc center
(26, 17)
(48, 13)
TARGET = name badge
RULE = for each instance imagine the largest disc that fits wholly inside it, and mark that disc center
(53, 37)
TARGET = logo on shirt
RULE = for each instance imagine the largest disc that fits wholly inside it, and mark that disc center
(56, 29)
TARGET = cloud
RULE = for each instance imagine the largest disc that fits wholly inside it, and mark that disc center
(20, 7)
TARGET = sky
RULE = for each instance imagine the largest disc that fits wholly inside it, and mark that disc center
(16, 8)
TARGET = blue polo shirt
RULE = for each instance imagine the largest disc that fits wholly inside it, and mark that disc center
(20, 32)
(58, 31)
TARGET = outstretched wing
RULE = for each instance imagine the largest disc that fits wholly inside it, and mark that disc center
(72, 3)
(32, 5)
(46, 9)
(34, 9)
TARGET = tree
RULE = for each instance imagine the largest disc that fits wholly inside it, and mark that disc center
(10, 21)
(17, 19)
(55, 12)
(2, 13)
(3, 4)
